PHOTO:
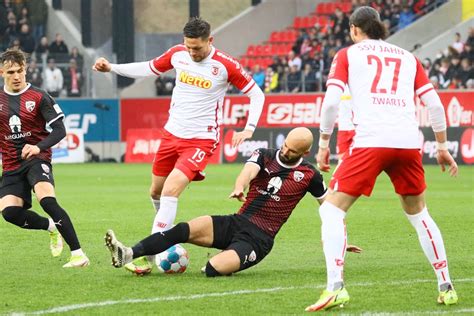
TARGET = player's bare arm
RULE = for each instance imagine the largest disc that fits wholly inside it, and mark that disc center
(239, 137)
(248, 173)
(322, 157)
(102, 65)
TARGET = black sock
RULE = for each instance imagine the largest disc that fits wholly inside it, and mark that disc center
(61, 220)
(159, 242)
(26, 219)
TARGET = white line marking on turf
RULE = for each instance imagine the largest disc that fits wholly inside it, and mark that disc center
(68, 308)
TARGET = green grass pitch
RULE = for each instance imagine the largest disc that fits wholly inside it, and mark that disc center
(391, 276)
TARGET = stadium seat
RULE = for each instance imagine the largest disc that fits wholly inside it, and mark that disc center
(251, 50)
(298, 22)
(274, 37)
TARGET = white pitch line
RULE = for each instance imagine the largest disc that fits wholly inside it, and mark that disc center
(68, 308)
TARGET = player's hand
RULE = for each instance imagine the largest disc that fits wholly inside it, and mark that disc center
(29, 151)
(238, 194)
(353, 248)
(102, 65)
(444, 158)
(238, 138)
(322, 159)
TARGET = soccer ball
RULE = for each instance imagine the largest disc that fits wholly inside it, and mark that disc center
(173, 260)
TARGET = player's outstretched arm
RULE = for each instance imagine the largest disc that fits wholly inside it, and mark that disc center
(248, 173)
(257, 99)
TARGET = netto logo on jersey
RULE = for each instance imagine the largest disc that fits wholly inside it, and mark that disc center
(199, 82)
(15, 126)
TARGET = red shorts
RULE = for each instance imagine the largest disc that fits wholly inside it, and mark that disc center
(188, 155)
(344, 141)
(358, 171)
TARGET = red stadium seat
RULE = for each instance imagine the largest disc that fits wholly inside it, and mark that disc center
(274, 37)
(258, 50)
(267, 50)
(251, 50)
(298, 22)
(320, 8)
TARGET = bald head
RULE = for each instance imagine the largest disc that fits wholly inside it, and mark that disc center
(300, 138)
(297, 144)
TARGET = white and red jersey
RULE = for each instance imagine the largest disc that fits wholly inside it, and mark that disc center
(198, 97)
(382, 79)
(344, 120)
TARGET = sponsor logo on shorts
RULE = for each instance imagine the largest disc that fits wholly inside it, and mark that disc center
(252, 256)
(45, 168)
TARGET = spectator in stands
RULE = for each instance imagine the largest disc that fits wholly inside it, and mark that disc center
(33, 74)
(27, 42)
(305, 47)
(294, 60)
(78, 57)
(395, 16)
(299, 40)
(164, 85)
(38, 16)
(42, 49)
(340, 19)
(271, 80)
(58, 49)
(11, 32)
(466, 72)
(455, 82)
(406, 17)
(73, 79)
(309, 79)
(427, 64)
(470, 37)
(294, 79)
(15, 44)
(258, 76)
(467, 52)
(458, 45)
(443, 74)
(455, 65)
(24, 17)
(435, 82)
(53, 79)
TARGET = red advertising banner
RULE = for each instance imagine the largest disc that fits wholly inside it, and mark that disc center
(283, 110)
(142, 144)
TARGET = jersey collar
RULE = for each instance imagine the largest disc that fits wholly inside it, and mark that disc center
(285, 165)
(28, 85)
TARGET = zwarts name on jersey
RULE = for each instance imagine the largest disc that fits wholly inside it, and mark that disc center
(15, 126)
(274, 185)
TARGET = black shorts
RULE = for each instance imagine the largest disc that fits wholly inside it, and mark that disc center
(237, 233)
(21, 181)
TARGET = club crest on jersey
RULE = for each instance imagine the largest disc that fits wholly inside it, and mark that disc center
(196, 81)
(298, 176)
(215, 70)
(30, 105)
(45, 168)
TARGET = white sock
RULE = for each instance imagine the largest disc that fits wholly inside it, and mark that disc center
(156, 204)
(77, 252)
(51, 227)
(165, 217)
(334, 238)
(432, 243)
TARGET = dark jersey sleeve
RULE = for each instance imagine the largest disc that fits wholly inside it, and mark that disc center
(257, 157)
(50, 109)
(316, 186)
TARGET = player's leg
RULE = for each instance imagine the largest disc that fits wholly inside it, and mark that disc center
(408, 179)
(198, 231)
(355, 176)
(156, 188)
(15, 201)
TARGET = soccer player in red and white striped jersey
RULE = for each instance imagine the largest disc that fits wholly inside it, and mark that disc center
(383, 80)
(191, 134)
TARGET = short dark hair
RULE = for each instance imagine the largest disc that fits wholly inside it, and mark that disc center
(15, 56)
(197, 28)
(368, 20)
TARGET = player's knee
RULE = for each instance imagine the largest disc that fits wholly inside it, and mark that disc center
(211, 271)
(13, 214)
